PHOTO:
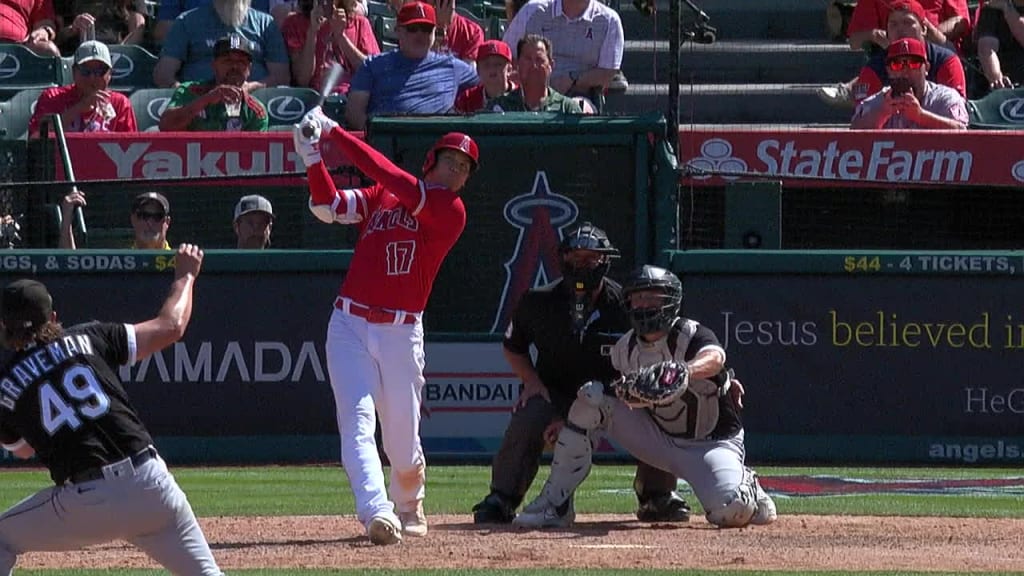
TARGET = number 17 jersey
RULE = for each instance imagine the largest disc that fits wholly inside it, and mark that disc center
(400, 247)
(65, 400)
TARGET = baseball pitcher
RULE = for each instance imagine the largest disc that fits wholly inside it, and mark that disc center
(673, 410)
(61, 400)
(407, 226)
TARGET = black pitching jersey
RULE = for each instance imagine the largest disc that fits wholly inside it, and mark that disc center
(705, 411)
(65, 400)
(543, 318)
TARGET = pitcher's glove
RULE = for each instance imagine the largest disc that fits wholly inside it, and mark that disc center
(654, 385)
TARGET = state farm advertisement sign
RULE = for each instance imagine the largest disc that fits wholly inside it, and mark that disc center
(195, 155)
(848, 157)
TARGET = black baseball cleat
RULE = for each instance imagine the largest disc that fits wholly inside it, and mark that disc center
(664, 508)
(493, 509)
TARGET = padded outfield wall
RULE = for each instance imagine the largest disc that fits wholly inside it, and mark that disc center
(847, 356)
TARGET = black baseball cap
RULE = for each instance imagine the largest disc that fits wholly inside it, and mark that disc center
(27, 304)
(232, 43)
(147, 197)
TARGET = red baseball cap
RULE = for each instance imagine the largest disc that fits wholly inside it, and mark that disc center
(912, 6)
(906, 47)
(494, 48)
(416, 13)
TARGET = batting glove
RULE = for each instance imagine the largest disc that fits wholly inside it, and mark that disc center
(306, 137)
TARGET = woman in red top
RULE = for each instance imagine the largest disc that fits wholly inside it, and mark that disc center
(343, 36)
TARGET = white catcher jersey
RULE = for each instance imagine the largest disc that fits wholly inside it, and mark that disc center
(704, 410)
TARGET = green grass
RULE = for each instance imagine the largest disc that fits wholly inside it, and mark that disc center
(275, 491)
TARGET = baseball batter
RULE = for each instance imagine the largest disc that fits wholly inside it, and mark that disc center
(697, 437)
(375, 356)
(61, 400)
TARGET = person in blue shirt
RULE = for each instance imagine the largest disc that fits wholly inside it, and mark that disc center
(171, 9)
(187, 53)
(412, 79)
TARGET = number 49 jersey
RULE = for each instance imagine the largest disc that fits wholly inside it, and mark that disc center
(400, 248)
(65, 400)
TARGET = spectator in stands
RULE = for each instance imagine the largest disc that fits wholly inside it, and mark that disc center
(456, 34)
(907, 20)
(945, 23)
(109, 21)
(169, 10)
(254, 220)
(911, 101)
(31, 23)
(587, 37)
(412, 79)
(86, 105)
(494, 65)
(535, 94)
(344, 36)
(1000, 31)
(150, 217)
(220, 105)
(188, 49)
(512, 7)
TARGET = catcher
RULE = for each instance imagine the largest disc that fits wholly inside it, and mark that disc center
(674, 410)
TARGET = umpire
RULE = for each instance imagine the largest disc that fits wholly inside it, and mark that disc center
(573, 323)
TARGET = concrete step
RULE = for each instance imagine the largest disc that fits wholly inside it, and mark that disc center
(735, 19)
(732, 103)
(741, 61)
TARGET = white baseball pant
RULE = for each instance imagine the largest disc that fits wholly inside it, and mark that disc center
(377, 369)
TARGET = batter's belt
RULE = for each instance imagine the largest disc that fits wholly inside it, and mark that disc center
(374, 315)
(138, 459)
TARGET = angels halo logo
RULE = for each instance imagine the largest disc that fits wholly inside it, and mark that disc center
(540, 215)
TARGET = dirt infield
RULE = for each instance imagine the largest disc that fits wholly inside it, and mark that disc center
(601, 541)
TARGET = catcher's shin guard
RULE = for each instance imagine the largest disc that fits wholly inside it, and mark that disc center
(570, 466)
(592, 409)
(740, 509)
(766, 513)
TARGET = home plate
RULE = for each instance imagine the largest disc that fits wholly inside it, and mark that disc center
(616, 546)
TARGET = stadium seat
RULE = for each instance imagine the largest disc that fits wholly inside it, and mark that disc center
(22, 69)
(489, 9)
(374, 9)
(384, 28)
(999, 110)
(334, 107)
(496, 29)
(149, 104)
(286, 105)
(16, 112)
(133, 68)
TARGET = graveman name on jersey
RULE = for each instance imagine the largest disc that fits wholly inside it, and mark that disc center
(38, 363)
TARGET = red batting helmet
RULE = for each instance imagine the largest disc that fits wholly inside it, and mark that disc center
(452, 141)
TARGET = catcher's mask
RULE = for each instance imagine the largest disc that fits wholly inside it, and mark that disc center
(659, 318)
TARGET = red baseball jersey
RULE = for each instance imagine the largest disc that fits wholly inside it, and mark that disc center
(406, 228)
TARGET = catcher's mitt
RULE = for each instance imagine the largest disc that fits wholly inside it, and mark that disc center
(654, 385)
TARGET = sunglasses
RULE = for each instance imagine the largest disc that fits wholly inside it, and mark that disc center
(93, 70)
(151, 216)
(905, 64)
(420, 28)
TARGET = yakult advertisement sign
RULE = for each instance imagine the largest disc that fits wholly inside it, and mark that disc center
(845, 157)
(153, 155)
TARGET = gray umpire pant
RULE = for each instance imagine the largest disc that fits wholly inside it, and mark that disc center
(517, 461)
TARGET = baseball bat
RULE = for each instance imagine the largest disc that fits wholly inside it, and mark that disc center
(330, 81)
(69, 169)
